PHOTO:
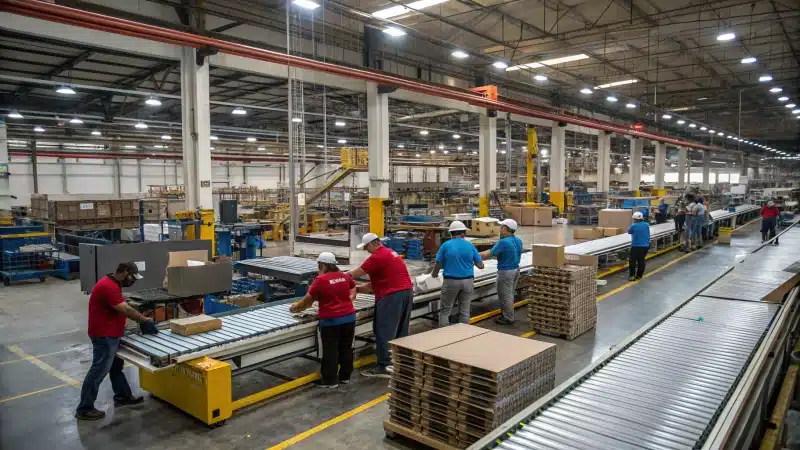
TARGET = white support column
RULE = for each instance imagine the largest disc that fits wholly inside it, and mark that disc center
(660, 161)
(5, 187)
(378, 143)
(635, 170)
(603, 161)
(706, 185)
(681, 167)
(487, 162)
(557, 166)
(196, 117)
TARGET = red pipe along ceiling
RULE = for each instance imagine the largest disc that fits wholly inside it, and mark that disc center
(157, 156)
(85, 19)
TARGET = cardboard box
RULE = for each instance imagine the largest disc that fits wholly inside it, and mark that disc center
(515, 212)
(608, 231)
(183, 280)
(484, 227)
(724, 238)
(439, 337)
(194, 325)
(543, 216)
(581, 260)
(584, 233)
(615, 218)
(548, 255)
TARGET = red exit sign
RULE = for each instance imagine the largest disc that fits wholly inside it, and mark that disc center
(637, 127)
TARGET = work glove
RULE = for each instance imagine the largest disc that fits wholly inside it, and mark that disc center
(148, 327)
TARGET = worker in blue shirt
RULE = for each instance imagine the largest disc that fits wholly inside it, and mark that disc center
(663, 210)
(640, 244)
(508, 252)
(456, 257)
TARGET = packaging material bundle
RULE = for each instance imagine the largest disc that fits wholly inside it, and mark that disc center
(563, 301)
(452, 385)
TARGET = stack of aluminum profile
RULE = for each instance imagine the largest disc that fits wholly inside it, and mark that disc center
(458, 392)
(562, 301)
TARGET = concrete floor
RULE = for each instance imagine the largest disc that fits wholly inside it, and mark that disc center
(48, 320)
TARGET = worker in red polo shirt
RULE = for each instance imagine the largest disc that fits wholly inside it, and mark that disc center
(334, 292)
(107, 313)
(394, 297)
(769, 221)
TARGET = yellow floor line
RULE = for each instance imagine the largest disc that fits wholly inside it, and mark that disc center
(528, 334)
(28, 394)
(40, 356)
(43, 365)
(324, 425)
(494, 312)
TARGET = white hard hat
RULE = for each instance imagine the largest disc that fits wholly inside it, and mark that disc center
(457, 225)
(638, 215)
(327, 258)
(369, 237)
(510, 223)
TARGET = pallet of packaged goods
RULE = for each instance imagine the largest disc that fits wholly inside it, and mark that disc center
(562, 302)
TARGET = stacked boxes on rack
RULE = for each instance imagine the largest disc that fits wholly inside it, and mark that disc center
(451, 384)
(78, 213)
(562, 296)
(414, 249)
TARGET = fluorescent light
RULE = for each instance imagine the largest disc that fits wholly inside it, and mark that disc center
(720, 133)
(320, 146)
(141, 125)
(765, 78)
(418, 155)
(401, 146)
(433, 152)
(342, 141)
(15, 115)
(441, 147)
(500, 64)
(456, 136)
(702, 98)
(749, 60)
(152, 101)
(460, 148)
(475, 152)
(459, 54)
(213, 138)
(796, 111)
(703, 128)
(66, 90)
(296, 119)
(424, 132)
(239, 111)
(783, 99)
(726, 37)
(399, 10)
(158, 147)
(692, 125)
(307, 4)
(549, 62)
(211, 148)
(612, 99)
(630, 105)
(711, 131)
(251, 139)
(261, 148)
(730, 137)
(38, 129)
(586, 91)
(445, 152)
(616, 83)
(776, 89)
(394, 31)
(789, 105)
(96, 133)
(340, 123)
(130, 147)
(166, 137)
(76, 120)
(540, 77)
(666, 116)
(681, 122)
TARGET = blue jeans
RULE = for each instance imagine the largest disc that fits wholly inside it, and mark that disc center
(392, 314)
(104, 362)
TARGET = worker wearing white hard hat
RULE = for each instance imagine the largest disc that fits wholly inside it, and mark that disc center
(508, 252)
(394, 297)
(334, 292)
(640, 244)
(456, 258)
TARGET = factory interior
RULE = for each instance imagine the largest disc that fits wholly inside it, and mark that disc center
(447, 224)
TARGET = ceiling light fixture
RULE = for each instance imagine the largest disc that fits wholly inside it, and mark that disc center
(783, 99)
(681, 122)
(441, 147)
(66, 90)
(445, 152)
(96, 133)
(399, 10)
(616, 83)
(789, 105)
(14, 114)
(424, 132)
(433, 152)
(765, 78)
(720, 133)
(702, 98)
(549, 62)
(586, 91)
(76, 120)
(141, 125)
(711, 131)
(726, 37)
(459, 148)
(239, 111)
(251, 139)
(38, 129)
(540, 77)
(630, 105)
(666, 116)
(261, 148)
(152, 101)
(776, 90)
(340, 123)
(213, 138)
(500, 64)
(456, 136)
(296, 119)
(796, 111)
(394, 31)
(612, 99)
(166, 137)
(691, 125)
(401, 146)
(749, 60)
(703, 128)
(459, 54)
(306, 4)
(342, 141)
(130, 147)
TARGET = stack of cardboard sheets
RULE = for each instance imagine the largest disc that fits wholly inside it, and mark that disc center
(563, 300)
(453, 385)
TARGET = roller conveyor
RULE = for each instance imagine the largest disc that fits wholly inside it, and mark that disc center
(669, 386)
(289, 268)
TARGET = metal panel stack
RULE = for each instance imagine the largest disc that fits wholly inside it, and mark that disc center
(453, 386)
(562, 301)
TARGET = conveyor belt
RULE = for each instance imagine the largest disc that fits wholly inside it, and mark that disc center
(289, 268)
(664, 388)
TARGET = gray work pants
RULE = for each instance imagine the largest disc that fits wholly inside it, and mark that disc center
(506, 287)
(453, 290)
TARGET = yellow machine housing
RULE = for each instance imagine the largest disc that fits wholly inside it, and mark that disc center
(206, 217)
(200, 387)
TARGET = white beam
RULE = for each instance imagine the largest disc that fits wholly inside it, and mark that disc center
(706, 184)
(557, 158)
(196, 119)
(378, 141)
(487, 161)
(635, 170)
(603, 162)
(5, 187)
(681, 167)
(660, 161)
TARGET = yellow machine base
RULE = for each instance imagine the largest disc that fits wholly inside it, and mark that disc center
(658, 192)
(201, 388)
(557, 199)
(376, 216)
(483, 206)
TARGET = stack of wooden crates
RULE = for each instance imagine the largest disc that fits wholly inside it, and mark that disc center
(86, 214)
(562, 301)
(452, 385)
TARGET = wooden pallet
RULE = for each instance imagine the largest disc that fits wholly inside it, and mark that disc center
(566, 336)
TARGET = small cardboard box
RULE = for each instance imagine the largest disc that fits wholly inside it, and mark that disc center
(581, 260)
(528, 216)
(515, 212)
(548, 255)
(583, 233)
(183, 280)
(484, 227)
(724, 238)
(194, 325)
(543, 217)
(615, 218)
(609, 231)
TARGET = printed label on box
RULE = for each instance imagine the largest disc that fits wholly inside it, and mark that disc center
(87, 205)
